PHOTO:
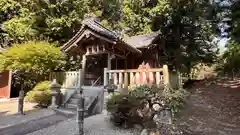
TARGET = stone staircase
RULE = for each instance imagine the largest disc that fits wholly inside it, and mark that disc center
(93, 103)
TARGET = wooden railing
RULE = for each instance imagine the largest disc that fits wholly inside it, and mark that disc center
(129, 78)
(68, 79)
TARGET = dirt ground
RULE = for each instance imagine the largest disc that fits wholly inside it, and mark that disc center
(213, 108)
(10, 107)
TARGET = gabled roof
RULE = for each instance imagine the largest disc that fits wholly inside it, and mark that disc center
(94, 27)
(132, 44)
(97, 27)
(143, 41)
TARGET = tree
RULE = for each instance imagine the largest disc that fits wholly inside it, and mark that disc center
(16, 22)
(56, 21)
(230, 59)
(187, 29)
(235, 16)
(32, 60)
(187, 26)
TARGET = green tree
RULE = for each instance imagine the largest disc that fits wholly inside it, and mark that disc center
(16, 21)
(32, 60)
(138, 16)
(187, 29)
(230, 59)
(235, 22)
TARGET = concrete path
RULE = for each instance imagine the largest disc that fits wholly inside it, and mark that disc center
(94, 125)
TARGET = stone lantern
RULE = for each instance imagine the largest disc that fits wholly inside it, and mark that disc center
(110, 86)
(55, 91)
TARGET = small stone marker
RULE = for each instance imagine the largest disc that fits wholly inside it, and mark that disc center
(164, 116)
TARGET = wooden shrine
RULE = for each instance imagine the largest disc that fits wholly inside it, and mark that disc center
(102, 48)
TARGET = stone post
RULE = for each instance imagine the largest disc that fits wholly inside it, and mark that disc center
(80, 106)
(80, 115)
(21, 102)
(166, 76)
(55, 91)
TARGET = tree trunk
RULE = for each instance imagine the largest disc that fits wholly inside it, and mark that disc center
(21, 99)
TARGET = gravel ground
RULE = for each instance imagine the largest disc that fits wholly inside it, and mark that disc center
(95, 125)
(213, 108)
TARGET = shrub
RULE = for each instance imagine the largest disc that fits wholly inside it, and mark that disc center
(123, 109)
(41, 94)
(138, 106)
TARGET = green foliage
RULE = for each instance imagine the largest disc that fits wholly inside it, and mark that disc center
(19, 28)
(41, 94)
(139, 15)
(32, 62)
(165, 97)
(235, 16)
(230, 59)
(137, 106)
(39, 58)
(123, 110)
(16, 21)
(187, 27)
(59, 20)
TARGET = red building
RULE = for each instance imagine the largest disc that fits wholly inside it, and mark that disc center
(5, 82)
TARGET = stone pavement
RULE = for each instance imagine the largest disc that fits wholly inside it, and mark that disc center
(32, 121)
(10, 120)
(94, 125)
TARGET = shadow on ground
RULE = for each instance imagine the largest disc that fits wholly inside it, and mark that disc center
(213, 108)
(3, 113)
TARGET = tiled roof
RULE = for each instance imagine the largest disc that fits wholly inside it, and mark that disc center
(99, 28)
(95, 26)
(142, 41)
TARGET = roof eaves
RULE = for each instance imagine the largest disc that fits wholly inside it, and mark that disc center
(73, 39)
(98, 27)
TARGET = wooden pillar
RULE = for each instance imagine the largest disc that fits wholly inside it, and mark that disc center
(109, 64)
(105, 77)
(84, 61)
(125, 90)
(165, 75)
(109, 61)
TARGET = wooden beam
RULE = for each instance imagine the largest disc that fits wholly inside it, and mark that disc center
(117, 53)
(70, 47)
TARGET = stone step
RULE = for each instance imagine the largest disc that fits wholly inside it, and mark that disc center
(71, 106)
(65, 111)
(76, 95)
(76, 100)
(68, 112)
